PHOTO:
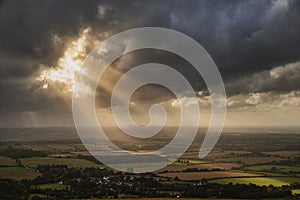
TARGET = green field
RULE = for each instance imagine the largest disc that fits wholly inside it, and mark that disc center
(37, 195)
(18, 173)
(52, 186)
(274, 168)
(276, 181)
(71, 162)
(186, 162)
(296, 191)
(62, 147)
(192, 161)
(5, 161)
(249, 160)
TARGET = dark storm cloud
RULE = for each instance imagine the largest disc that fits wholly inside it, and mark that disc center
(280, 79)
(243, 37)
(12, 66)
(24, 94)
(27, 29)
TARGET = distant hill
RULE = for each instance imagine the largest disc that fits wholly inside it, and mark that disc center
(38, 134)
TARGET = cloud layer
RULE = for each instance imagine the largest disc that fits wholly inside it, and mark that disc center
(255, 45)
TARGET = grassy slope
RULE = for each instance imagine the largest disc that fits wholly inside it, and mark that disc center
(5, 161)
(278, 168)
(276, 181)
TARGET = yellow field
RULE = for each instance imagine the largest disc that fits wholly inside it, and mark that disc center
(276, 181)
(296, 191)
(207, 175)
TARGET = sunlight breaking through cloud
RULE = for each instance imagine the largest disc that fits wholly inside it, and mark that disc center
(69, 64)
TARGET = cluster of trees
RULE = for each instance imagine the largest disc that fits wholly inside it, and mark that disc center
(239, 191)
(103, 183)
(21, 153)
(57, 173)
(11, 189)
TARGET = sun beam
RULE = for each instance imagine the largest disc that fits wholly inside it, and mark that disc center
(69, 64)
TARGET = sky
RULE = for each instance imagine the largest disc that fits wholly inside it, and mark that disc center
(255, 45)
